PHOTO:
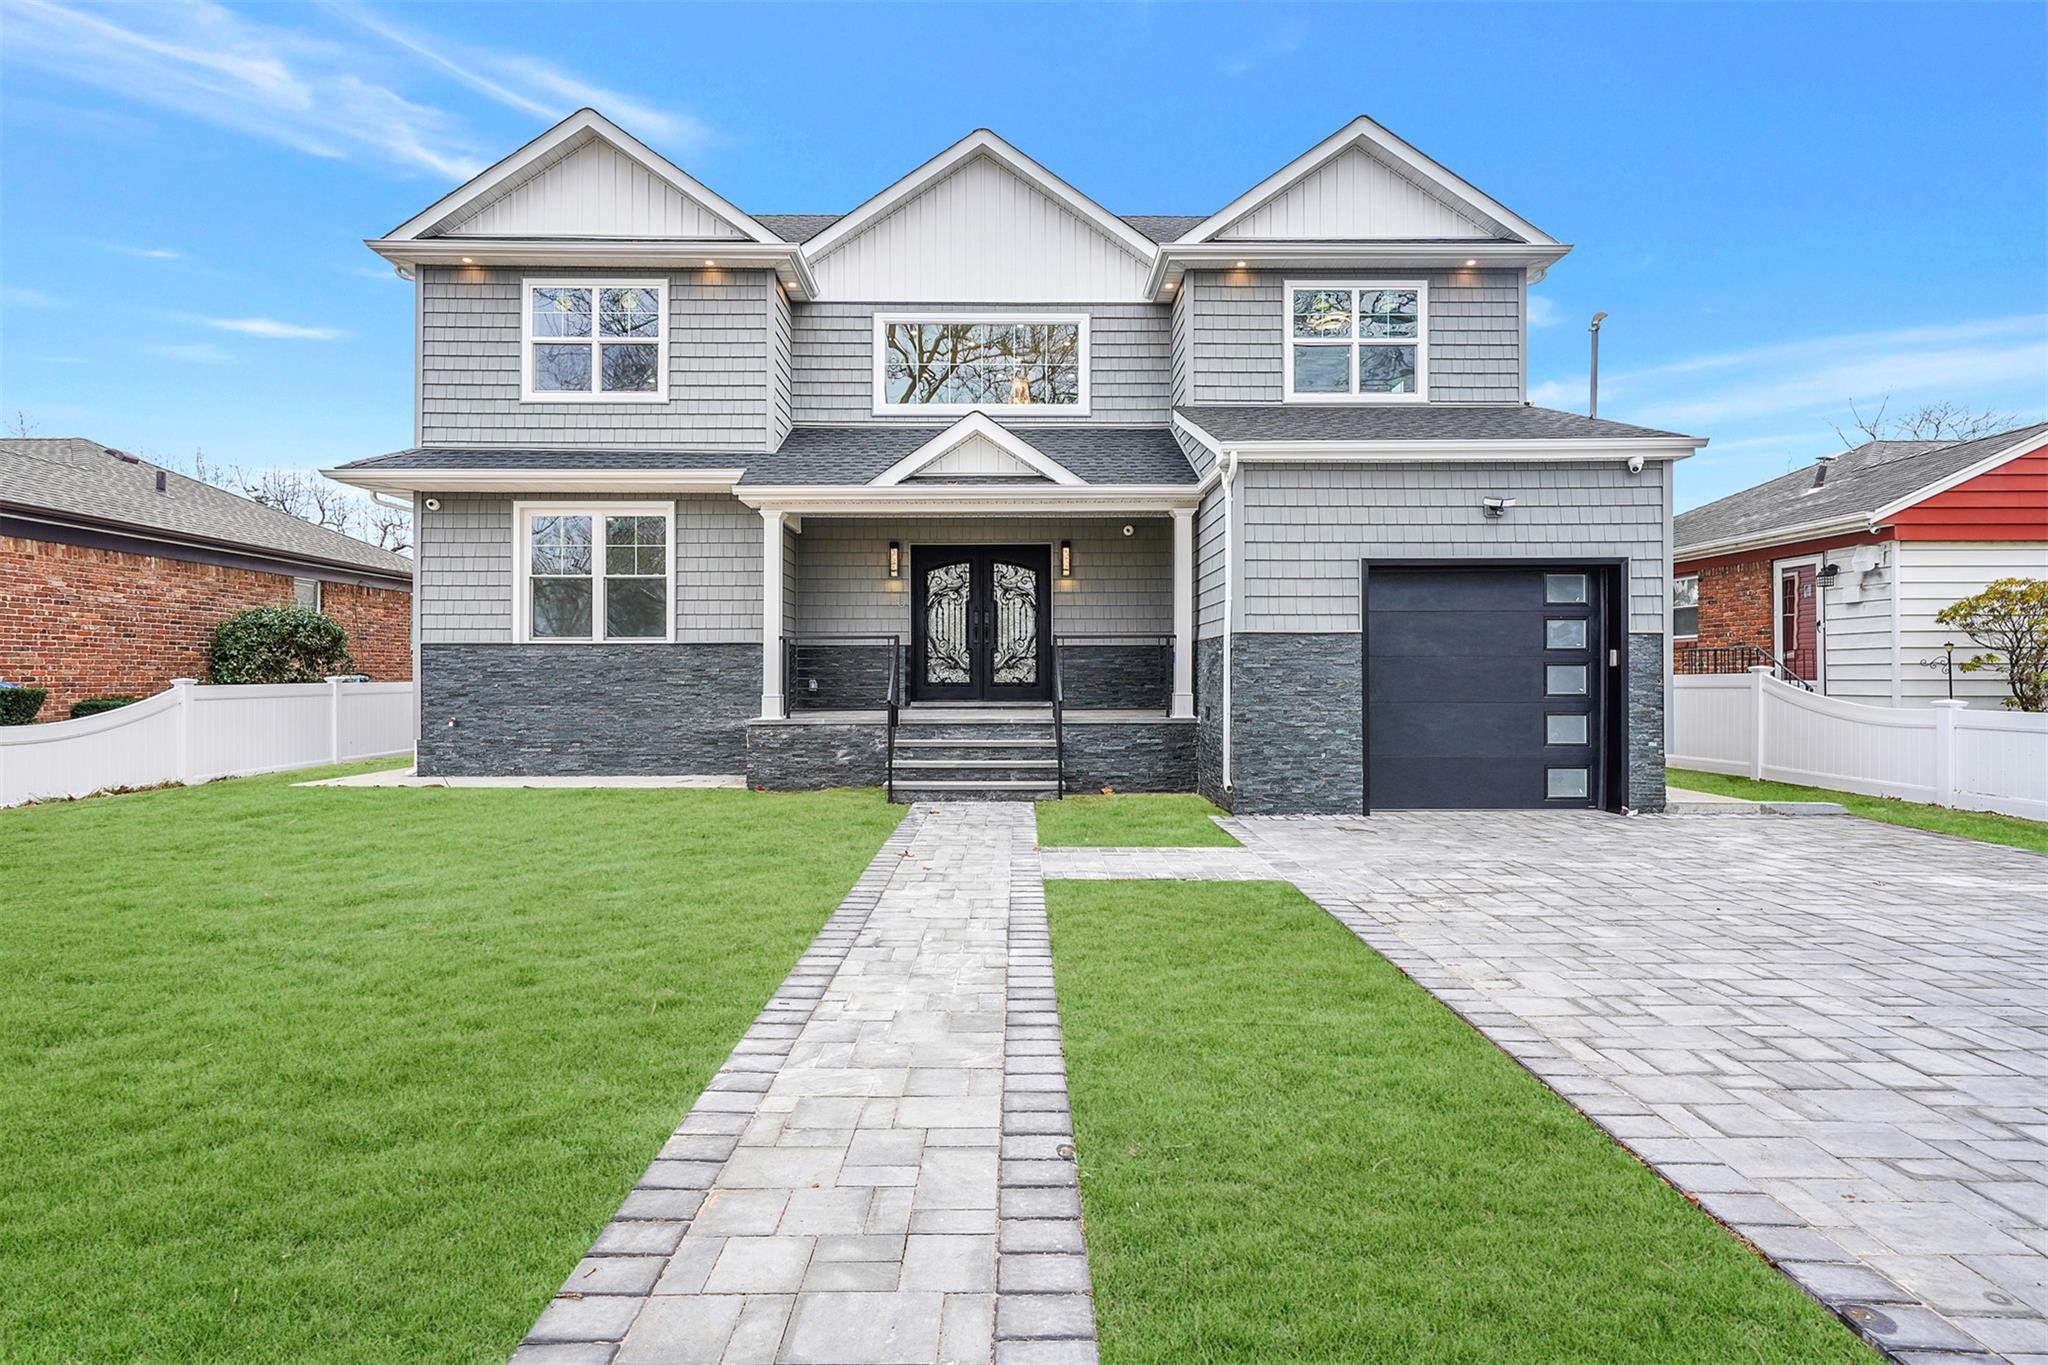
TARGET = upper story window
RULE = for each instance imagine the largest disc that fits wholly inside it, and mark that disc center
(595, 572)
(1685, 607)
(1357, 341)
(1011, 362)
(595, 340)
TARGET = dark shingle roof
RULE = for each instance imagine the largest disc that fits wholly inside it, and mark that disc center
(1165, 227)
(1400, 422)
(68, 476)
(801, 227)
(1858, 482)
(838, 455)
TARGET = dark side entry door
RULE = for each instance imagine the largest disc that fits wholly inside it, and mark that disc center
(980, 623)
(1486, 688)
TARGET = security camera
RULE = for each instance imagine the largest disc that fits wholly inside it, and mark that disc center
(433, 504)
(1495, 508)
(1635, 464)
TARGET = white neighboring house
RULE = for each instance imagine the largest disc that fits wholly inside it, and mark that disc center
(1838, 571)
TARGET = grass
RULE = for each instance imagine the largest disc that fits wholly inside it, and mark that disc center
(1134, 821)
(1290, 1152)
(1983, 826)
(356, 1074)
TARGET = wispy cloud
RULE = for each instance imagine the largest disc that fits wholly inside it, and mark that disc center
(151, 253)
(211, 63)
(1823, 374)
(192, 353)
(26, 298)
(1543, 311)
(272, 328)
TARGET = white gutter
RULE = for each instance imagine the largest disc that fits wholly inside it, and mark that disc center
(1522, 452)
(1783, 535)
(1226, 462)
(786, 259)
(1176, 258)
(377, 480)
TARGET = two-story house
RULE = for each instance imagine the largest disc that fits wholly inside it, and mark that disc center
(986, 489)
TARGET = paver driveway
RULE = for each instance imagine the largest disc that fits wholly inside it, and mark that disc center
(1833, 1032)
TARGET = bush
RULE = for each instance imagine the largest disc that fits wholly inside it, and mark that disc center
(277, 645)
(2009, 621)
(18, 704)
(92, 706)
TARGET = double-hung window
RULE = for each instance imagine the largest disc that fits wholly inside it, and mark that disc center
(1008, 362)
(1357, 341)
(595, 341)
(1685, 607)
(596, 573)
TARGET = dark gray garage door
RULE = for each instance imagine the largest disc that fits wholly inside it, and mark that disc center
(1484, 687)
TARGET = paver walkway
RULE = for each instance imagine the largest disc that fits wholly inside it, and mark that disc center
(1833, 1032)
(883, 1171)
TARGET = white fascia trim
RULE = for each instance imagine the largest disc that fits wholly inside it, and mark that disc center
(784, 258)
(949, 500)
(538, 480)
(968, 427)
(1363, 131)
(980, 142)
(1176, 258)
(1201, 437)
(582, 123)
(1961, 476)
(1517, 452)
(1764, 540)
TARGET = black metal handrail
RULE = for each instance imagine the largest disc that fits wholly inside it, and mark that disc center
(1163, 639)
(1706, 659)
(795, 675)
(895, 711)
(1059, 726)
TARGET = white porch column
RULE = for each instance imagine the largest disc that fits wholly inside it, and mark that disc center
(1183, 613)
(771, 614)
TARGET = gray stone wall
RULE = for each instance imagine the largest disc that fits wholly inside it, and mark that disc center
(1296, 742)
(785, 757)
(586, 710)
(1133, 676)
(1209, 720)
(1144, 756)
(1646, 722)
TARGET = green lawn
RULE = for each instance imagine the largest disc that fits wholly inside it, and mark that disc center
(1290, 1152)
(1134, 821)
(1967, 824)
(356, 1074)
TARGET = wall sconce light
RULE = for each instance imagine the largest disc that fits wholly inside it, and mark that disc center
(895, 559)
(1066, 559)
(1495, 508)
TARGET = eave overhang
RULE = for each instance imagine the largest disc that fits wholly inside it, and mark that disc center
(1175, 259)
(474, 480)
(1861, 522)
(952, 499)
(1618, 448)
(786, 259)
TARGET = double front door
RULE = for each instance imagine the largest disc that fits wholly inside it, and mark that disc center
(980, 623)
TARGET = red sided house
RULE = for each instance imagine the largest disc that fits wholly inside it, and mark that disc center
(1836, 572)
(113, 574)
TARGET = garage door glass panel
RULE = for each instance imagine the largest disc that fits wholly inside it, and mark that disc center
(1566, 783)
(1560, 729)
(1569, 634)
(1565, 680)
(1564, 587)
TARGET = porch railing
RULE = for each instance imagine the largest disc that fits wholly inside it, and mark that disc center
(1691, 660)
(828, 672)
(1129, 683)
(1059, 726)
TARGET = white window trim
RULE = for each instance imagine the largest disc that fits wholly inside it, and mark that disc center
(529, 394)
(883, 408)
(523, 514)
(1693, 579)
(1420, 341)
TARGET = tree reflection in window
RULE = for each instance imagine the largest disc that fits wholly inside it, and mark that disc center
(995, 364)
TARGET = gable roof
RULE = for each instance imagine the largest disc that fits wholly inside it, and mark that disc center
(1872, 480)
(1363, 136)
(976, 446)
(980, 143)
(72, 478)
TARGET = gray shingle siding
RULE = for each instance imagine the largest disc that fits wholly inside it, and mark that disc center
(465, 580)
(1209, 566)
(1129, 359)
(1475, 333)
(720, 390)
(779, 351)
(1183, 342)
(1303, 529)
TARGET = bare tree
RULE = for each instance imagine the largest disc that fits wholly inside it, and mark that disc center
(1943, 421)
(389, 527)
(312, 498)
(21, 426)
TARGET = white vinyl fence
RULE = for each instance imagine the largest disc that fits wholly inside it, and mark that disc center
(194, 733)
(1752, 725)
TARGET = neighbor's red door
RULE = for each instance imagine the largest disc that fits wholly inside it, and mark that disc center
(1799, 621)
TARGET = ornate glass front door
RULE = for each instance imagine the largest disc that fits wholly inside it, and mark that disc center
(981, 629)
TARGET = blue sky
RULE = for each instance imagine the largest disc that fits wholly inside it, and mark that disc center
(1784, 208)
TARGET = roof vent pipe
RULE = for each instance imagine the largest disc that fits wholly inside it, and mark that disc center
(1820, 469)
(161, 480)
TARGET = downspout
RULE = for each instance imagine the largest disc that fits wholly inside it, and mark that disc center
(1226, 463)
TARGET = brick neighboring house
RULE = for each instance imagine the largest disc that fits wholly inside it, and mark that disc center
(113, 574)
(1837, 571)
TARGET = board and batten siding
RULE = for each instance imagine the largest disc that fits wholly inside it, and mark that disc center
(1129, 361)
(464, 581)
(1240, 333)
(1934, 574)
(1120, 584)
(1302, 530)
(721, 375)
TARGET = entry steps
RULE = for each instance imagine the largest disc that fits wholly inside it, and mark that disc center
(985, 754)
